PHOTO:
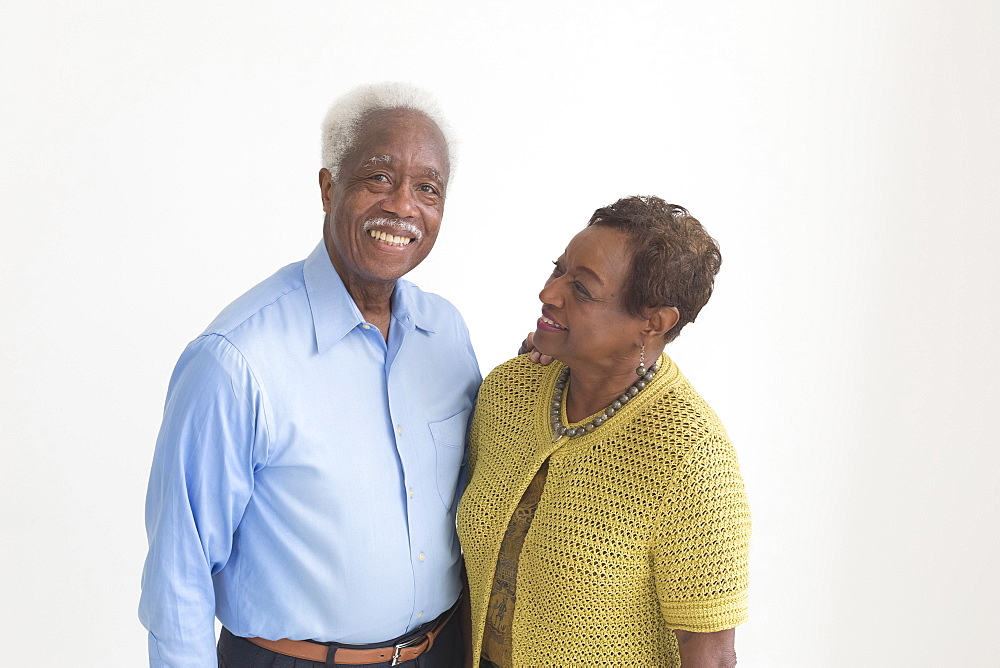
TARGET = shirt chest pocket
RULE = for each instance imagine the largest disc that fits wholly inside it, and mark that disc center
(449, 449)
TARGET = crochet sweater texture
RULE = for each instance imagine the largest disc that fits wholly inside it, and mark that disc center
(642, 526)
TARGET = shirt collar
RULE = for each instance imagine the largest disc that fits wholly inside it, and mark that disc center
(406, 308)
(334, 312)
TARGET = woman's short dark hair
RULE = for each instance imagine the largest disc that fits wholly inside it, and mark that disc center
(674, 260)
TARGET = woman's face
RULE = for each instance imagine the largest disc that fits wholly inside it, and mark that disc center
(582, 323)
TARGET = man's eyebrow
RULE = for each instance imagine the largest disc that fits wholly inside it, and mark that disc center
(434, 174)
(375, 159)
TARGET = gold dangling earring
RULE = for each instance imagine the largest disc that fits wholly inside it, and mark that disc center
(641, 369)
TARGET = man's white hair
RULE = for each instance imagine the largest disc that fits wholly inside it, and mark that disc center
(340, 127)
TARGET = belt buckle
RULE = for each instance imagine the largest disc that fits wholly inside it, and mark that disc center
(402, 645)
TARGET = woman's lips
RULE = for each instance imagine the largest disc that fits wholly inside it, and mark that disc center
(549, 325)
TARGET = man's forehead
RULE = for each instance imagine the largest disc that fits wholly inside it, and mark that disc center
(389, 124)
(389, 136)
(389, 121)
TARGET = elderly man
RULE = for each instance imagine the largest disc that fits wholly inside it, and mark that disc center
(304, 481)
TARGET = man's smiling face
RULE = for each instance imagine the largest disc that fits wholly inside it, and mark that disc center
(384, 208)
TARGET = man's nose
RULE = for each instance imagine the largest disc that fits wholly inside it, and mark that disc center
(401, 202)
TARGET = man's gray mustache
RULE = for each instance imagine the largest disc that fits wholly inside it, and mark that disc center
(372, 223)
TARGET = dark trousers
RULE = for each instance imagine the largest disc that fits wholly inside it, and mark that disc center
(236, 652)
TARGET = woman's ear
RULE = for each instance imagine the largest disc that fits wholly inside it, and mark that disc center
(661, 321)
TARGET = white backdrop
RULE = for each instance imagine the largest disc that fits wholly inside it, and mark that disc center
(159, 160)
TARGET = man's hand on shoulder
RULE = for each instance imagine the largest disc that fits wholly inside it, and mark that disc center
(528, 346)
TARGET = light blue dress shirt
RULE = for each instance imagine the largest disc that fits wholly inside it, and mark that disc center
(304, 479)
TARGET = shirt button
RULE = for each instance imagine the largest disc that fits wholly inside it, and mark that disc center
(366, 326)
(421, 556)
(411, 492)
(420, 615)
(399, 429)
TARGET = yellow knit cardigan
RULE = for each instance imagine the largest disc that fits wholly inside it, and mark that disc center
(643, 525)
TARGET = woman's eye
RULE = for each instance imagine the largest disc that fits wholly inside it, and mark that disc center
(578, 286)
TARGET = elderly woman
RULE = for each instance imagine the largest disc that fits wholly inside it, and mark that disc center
(605, 521)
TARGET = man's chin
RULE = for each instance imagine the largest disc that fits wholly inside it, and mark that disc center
(390, 269)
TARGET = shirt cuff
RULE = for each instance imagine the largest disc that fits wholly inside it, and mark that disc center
(707, 616)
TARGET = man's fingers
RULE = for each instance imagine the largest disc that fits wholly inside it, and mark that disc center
(528, 344)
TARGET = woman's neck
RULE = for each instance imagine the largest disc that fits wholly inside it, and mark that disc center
(592, 390)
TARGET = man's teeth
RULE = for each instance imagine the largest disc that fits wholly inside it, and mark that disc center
(390, 239)
(549, 321)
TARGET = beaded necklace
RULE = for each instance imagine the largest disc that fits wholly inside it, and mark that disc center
(559, 429)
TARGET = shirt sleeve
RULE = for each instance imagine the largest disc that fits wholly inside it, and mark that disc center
(700, 551)
(213, 438)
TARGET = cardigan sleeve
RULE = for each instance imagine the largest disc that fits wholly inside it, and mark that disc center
(701, 543)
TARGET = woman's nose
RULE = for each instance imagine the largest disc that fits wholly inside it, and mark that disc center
(551, 293)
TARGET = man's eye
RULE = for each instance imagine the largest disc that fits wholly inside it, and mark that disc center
(429, 189)
(379, 177)
(557, 270)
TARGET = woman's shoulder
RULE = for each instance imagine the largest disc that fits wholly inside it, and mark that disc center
(676, 439)
(675, 418)
(518, 371)
(516, 382)
(682, 404)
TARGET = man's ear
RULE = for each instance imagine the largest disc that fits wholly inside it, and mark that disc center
(661, 321)
(326, 188)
